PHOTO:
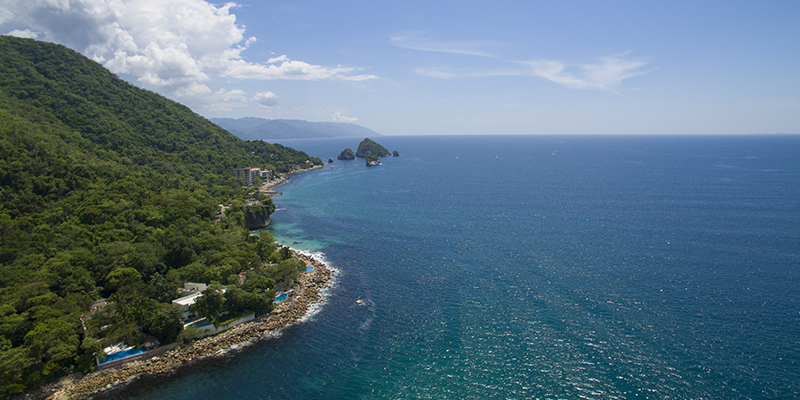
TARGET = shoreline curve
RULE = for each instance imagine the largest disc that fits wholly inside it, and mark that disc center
(308, 295)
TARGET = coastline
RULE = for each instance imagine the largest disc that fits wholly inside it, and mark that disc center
(287, 177)
(307, 293)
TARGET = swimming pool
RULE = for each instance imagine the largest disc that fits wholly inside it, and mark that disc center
(309, 268)
(280, 298)
(121, 355)
(201, 324)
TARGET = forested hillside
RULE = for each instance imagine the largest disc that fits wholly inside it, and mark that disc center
(110, 191)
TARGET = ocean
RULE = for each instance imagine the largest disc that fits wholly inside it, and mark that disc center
(519, 267)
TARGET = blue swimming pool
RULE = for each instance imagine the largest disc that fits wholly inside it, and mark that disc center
(201, 324)
(280, 298)
(309, 268)
(121, 355)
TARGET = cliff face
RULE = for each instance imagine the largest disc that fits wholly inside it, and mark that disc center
(256, 217)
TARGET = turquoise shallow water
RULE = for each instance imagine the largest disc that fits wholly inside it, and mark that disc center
(537, 267)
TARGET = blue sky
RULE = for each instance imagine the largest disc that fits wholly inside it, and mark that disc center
(447, 67)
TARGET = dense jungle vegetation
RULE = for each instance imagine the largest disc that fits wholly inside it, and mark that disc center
(110, 191)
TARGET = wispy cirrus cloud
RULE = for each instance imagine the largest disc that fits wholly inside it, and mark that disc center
(418, 41)
(461, 73)
(171, 46)
(607, 74)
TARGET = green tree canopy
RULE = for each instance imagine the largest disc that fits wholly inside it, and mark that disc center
(108, 190)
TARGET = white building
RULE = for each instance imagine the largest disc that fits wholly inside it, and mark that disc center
(248, 174)
(190, 293)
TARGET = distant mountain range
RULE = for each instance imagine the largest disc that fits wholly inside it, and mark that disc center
(251, 128)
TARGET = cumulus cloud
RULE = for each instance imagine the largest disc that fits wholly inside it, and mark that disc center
(172, 46)
(25, 33)
(225, 100)
(221, 100)
(338, 117)
(267, 99)
(284, 68)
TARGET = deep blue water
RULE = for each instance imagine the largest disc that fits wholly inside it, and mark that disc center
(520, 267)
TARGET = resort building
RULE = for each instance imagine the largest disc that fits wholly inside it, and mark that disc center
(189, 294)
(248, 174)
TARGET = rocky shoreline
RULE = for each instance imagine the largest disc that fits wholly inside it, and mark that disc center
(307, 291)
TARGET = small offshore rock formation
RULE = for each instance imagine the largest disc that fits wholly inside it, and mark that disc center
(395, 154)
(330, 161)
(373, 161)
(347, 154)
(368, 147)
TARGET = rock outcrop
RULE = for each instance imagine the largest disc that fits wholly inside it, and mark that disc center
(256, 217)
(368, 147)
(347, 154)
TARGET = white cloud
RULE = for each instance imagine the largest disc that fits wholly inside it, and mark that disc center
(608, 74)
(417, 41)
(338, 117)
(168, 45)
(267, 99)
(284, 68)
(193, 89)
(450, 73)
(554, 71)
(26, 33)
(223, 100)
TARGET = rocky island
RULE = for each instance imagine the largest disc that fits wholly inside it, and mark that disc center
(368, 147)
(346, 154)
(373, 161)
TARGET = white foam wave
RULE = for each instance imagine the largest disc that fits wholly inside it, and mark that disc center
(325, 292)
